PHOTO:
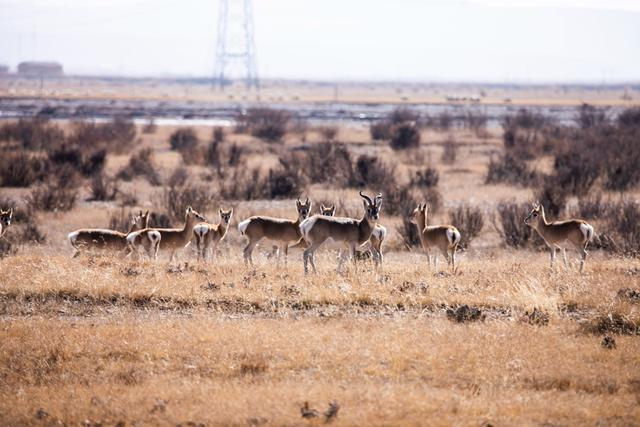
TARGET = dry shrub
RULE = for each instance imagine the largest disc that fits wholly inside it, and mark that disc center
(265, 123)
(384, 130)
(328, 162)
(24, 228)
(523, 133)
(283, 182)
(88, 162)
(593, 207)
(404, 136)
(20, 169)
(475, 121)
(328, 133)
(372, 172)
(103, 188)
(612, 323)
(575, 171)
(469, 221)
(510, 224)
(511, 170)
(115, 136)
(218, 134)
(630, 117)
(464, 313)
(183, 139)
(150, 127)
(425, 178)
(450, 151)
(589, 116)
(553, 197)
(141, 164)
(32, 134)
(176, 199)
(53, 196)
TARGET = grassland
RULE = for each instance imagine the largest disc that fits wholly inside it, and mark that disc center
(102, 340)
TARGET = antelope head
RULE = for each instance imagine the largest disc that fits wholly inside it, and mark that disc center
(372, 207)
(327, 210)
(303, 208)
(225, 216)
(536, 214)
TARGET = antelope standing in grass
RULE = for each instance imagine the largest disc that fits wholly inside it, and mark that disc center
(560, 234)
(209, 235)
(375, 241)
(281, 230)
(98, 238)
(5, 220)
(443, 237)
(171, 239)
(351, 232)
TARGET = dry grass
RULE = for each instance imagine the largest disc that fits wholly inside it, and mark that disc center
(111, 341)
(107, 340)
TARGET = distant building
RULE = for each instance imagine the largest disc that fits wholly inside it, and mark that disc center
(4, 70)
(40, 69)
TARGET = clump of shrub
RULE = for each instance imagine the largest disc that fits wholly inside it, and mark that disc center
(523, 133)
(404, 136)
(589, 117)
(20, 169)
(372, 172)
(328, 133)
(450, 151)
(183, 139)
(328, 162)
(114, 136)
(141, 164)
(53, 197)
(386, 129)
(32, 134)
(427, 177)
(511, 169)
(265, 123)
(469, 221)
(87, 162)
(177, 198)
(510, 224)
(283, 182)
(103, 188)
(24, 228)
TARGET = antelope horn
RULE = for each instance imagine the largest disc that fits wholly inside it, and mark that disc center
(367, 198)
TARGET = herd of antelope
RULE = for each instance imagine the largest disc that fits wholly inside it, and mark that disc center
(310, 232)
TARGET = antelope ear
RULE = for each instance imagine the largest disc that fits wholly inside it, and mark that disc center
(146, 213)
(322, 206)
(10, 212)
(306, 202)
(231, 211)
(298, 203)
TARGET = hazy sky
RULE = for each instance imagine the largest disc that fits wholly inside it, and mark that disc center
(450, 40)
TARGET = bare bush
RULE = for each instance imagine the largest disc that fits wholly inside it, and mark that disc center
(450, 151)
(427, 177)
(589, 116)
(141, 164)
(32, 134)
(87, 161)
(553, 197)
(372, 172)
(265, 123)
(53, 197)
(218, 134)
(328, 162)
(183, 139)
(384, 130)
(115, 136)
(469, 221)
(630, 117)
(404, 135)
(594, 207)
(176, 199)
(150, 127)
(510, 224)
(283, 182)
(20, 169)
(103, 188)
(328, 133)
(523, 133)
(511, 170)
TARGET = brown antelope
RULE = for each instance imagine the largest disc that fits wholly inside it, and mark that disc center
(560, 234)
(5, 220)
(443, 237)
(209, 235)
(375, 241)
(284, 231)
(171, 239)
(97, 238)
(351, 232)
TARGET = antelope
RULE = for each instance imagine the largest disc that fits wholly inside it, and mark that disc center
(284, 231)
(351, 232)
(208, 235)
(324, 210)
(97, 238)
(560, 234)
(173, 239)
(375, 241)
(443, 237)
(5, 220)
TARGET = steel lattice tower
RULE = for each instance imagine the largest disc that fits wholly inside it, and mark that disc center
(235, 48)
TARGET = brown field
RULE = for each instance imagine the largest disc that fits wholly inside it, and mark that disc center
(102, 340)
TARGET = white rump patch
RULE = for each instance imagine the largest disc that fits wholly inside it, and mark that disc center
(73, 237)
(587, 231)
(453, 236)
(379, 232)
(201, 230)
(242, 227)
(131, 237)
